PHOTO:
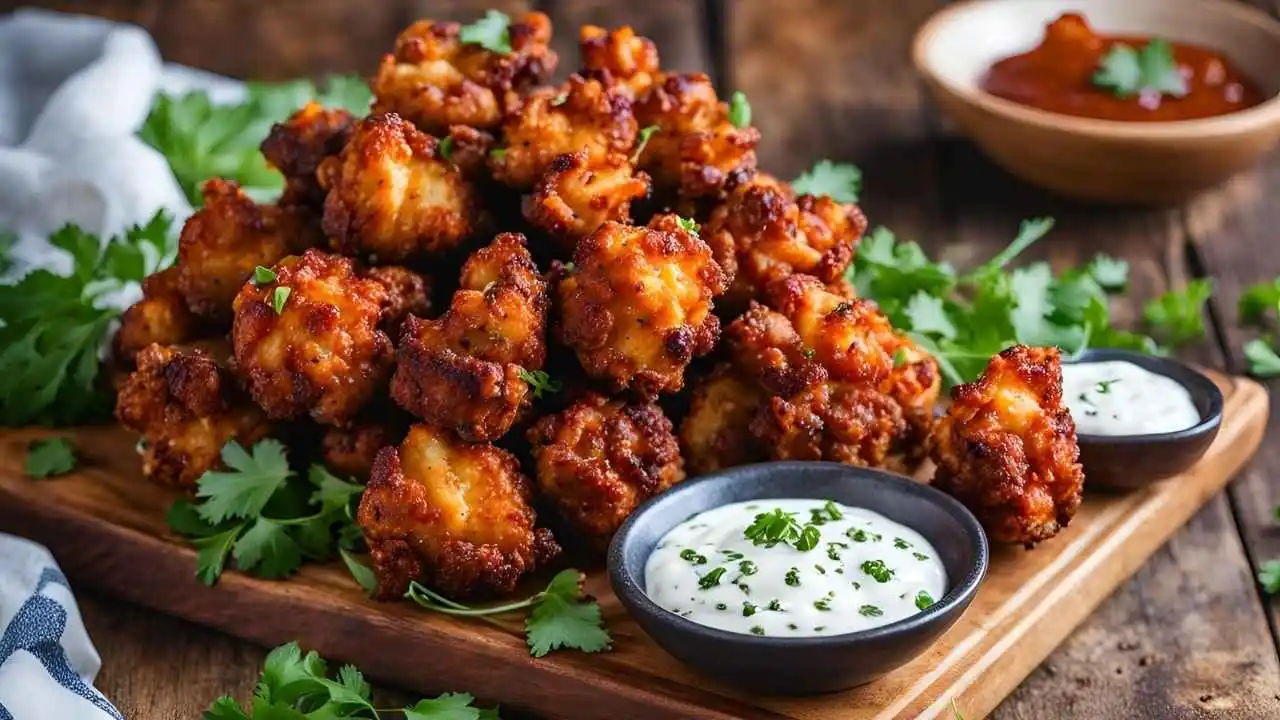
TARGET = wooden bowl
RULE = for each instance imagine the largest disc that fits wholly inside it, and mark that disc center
(1103, 160)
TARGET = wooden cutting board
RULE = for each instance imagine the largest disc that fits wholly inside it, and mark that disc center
(105, 525)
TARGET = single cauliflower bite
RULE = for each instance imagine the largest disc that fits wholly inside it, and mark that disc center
(761, 233)
(715, 433)
(599, 459)
(408, 293)
(1007, 448)
(450, 514)
(637, 307)
(187, 406)
(393, 195)
(435, 80)
(767, 348)
(583, 115)
(844, 335)
(628, 58)
(226, 239)
(696, 149)
(464, 369)
(308, 342)
(849, 423)
(574, 198)
(297, 146)
(161, 317)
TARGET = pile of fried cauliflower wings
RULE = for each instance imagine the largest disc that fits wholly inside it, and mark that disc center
(492, 295)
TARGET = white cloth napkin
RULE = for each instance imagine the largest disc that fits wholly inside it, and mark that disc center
(73, 91)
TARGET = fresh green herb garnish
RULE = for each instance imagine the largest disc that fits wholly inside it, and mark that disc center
(841, 182)
(793, 577)
(1103, 387)
(445, 148)
(688, 224)
(1263, 360)
(775, 605)
(821, 570)
(769, 529)
(870, 611)
(899, 357)
(901, 544)
(721, 606)
(919, 556)
(1177, 317)
(1259, 306)
(540, 382)
(363, 574)
(711, 579)
(642, 140)
(732, 555)
(692, 556)
(739, 110)
(263, 275)
(923, 600)
(748, 609)
(757, 630)
(498, 153)
(824, 603)
(491, 32)
(809, 537)
(833, 550)
(877, 570)
(746, 567)
(1269, 577)
(49, 457)
(279, 297)
(1128, 71)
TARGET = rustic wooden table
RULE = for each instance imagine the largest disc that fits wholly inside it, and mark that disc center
(1188, 636)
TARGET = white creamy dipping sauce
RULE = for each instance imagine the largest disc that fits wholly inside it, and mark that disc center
(1120, 398)
(794, 568)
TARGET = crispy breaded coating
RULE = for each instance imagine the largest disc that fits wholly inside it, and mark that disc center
(629, 59)
(852, 423)
(226, 239)
(350, 451)
(187, 406)
(768, 349)
(844, 335)
(408, 293)
(450, 514)
(308, 343)
(1007, 448)
(161, 316)
(463, 370)
(914, 383)
(696, 149)
(599, 459)
(761, 232)
(297, 146)
(394, 196)
(584, 115)
(715, 434)
(575, 197)
(637, 307)
(435, 80)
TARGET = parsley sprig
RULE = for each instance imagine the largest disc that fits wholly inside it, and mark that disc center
(49, 457)
(1259, 307)
(540, 383)
(491, 32)
(1127, 71)
(294, 686)
(778, 526)
(52, 327)
(841, 181)
(265, 518)
(559, 615)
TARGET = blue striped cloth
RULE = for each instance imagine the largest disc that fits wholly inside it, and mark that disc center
(47, 663)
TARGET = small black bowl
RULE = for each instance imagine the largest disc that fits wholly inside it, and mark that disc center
(1133, 461)
(801, 666)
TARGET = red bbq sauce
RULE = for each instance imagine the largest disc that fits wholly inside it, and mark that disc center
(1057, 76)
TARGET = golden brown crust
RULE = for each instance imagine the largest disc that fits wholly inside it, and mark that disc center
(393, 196)
(841, 422)
(630, 59)
(715, 434)
(696, 149)
(186, 406)
(225, 240)
(584, 114)
(575, 197)
(408, 293)
(599, 459)
(1007, 448)
(452, 515)
(435, 80)
(350, 451)
(463, 370)
(161, 316)
(323, 353)
(761, 233)
(767, 348)
(297, 146)
(637, 307)
(844, 335)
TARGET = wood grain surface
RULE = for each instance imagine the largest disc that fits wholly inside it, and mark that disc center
(1189, 636)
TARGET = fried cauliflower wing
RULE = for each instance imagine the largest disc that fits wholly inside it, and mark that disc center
(851, 423)
(768, 349)
(844, 335)
(696, 148)
(637, 307)
(575, 197)
(297, 146)
(463, 370)
(628, 58)
(394, 196)
(761, 232)
(585, 114)
(599, 459)
(226, 239)
(350, 451)
(450, 514)
(187, 406)
(308, 342)
(715, 434)
(435, 80)
(408, 293)
(161, 317)
(1007, 448)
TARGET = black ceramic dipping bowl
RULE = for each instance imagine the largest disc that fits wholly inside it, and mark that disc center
(1132, 461)
(801, 666)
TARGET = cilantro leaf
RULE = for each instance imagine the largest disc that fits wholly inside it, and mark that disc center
(50, 457)
(267, 550)
(1177, 316)
(244, 491)
(1269, 577)
(1127, 71)
(560, 620)
(927, 315)
(212, 551)
(224, 708)
(1263, 360)
(739, 110)
(363, 574)
(642, 140)
(688, 224)
(1259, 300)
(540, 382)
(491, 32)
(841, 182)
(449, 706)
(1110, 273)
